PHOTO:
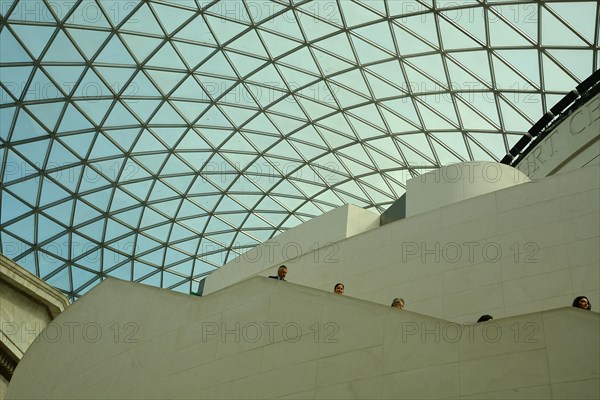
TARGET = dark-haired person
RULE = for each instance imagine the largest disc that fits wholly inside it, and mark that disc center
(485, 317)
(398, 302)
(582, 302)
(281, 273)
(338, 288)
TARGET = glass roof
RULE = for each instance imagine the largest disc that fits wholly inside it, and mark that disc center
(154, 141)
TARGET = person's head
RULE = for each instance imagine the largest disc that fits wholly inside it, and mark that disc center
(282, 272)
(485, 317)
(338, 288)
(582, 302)
(398, 302)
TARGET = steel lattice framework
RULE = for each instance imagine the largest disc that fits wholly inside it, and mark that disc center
(156, 140)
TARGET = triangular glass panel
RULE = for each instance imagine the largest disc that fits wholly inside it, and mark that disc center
(170, 136)
(213, 117)
(512, 120)
(93, 230)
(61, 157)
(92, 87)
(224, 30)
(390, 71)
(330, 64)
(114, 230)
(142, 108)
(582, 16)
(14, 79)
(196, 30)
(421, 83)
(245, 65)
(472, 119)
(171, 17)
(12, 50)
(12, 207)
(395, 123)
(315, 27)
(23, 230)
(215, 87)
(278, 45)
(453, 38)
(338, 45)
(442, 107)
(494, 144)
(422, 25)
(89, 41)
(62, 50)
(355, 14)
(433, 66)
(120, 116)
(141, 270)
(462, 79)
(555, 78)
(153, 162)
(150, 218)
(166, 115)
(476, 62)
(506, 78)
(525, 61)
(190, 89)
(368, 53)
(409, 44)
(474, 24)
(315, 110)
(81, 277)
(61, 280)
(123, 137)
(404, 108)
(267, 132)
(578, 62)
(296, 79)
(167, 57)
(115, 53)
(445, 153)
(66, 77)
(88, 13)
(122, 200)
(504, 34)
(240, 116)
(480, 152)
(47, 228)
(344, 97)
(142, 86)
(249, 42)
(193, 54)
(84, 213)
(41, 88)
(26, 127)
(47, 113)
(352, 79)
(141, 46)
(34, 37)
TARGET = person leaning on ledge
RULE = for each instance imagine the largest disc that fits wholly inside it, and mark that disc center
(281, 273)
(398, 302)
(582, 302)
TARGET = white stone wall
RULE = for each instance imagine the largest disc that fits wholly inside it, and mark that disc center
(267, 339)
(525, 248)
(571, 145)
